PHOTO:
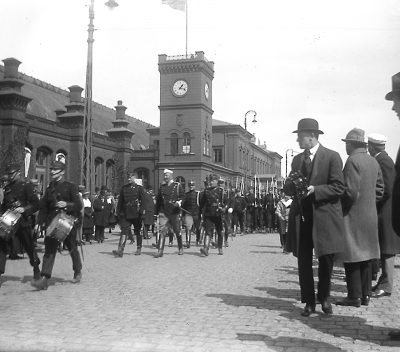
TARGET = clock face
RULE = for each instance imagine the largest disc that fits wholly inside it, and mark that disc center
(180, 88)
(206, 90)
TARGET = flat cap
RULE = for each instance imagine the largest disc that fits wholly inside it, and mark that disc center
(377, 138)
(168, 171)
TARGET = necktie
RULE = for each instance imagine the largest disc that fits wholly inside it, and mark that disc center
(306, 167)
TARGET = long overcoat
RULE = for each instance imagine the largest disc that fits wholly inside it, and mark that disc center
(327, 179)
(389, 242)
(396, 197)
(101, 211)
(364, 187)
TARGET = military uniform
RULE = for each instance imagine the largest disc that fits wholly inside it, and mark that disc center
(129, 213)
(191, 216)
(250, 214)
(239, 207)
(67, 192)
(169, 196)
(21, 194)
(212, 207)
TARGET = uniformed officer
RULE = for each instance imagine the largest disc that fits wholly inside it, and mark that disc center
(191, 218)
(168, 207)
(129, 212)
(60, 195)
(250, 214)
(20, 198)
(228, 200)
(239, 209)
(212, 207)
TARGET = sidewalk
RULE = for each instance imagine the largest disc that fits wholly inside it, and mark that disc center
(246, 300)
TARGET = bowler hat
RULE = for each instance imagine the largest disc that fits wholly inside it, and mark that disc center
(57, 165)
(395, 87)
(308, 125)
(356, 136)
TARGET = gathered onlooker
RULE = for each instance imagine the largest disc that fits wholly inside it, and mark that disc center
(87, 223)
(282, 212)
(101, 214)
(364, 187)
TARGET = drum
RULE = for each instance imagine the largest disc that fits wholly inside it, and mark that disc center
(60, 226)
(8, 223)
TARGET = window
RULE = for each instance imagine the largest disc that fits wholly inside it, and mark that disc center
(156, 144)
(110, 174)
(182, 181)
(98, 172)
(186, 143)
(174, 144)
(218, 155)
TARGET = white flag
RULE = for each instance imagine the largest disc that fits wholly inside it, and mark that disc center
(176, 4)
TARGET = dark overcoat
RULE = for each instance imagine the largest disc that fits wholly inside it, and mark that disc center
(364, 188)
(389, 242)
(396, 197)
(101, 211)
(327, 179)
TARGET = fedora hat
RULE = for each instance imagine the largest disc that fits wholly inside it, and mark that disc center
(356, 136)
(309, 125)
(395, 87)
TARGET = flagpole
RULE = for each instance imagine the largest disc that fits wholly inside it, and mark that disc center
(186, 8)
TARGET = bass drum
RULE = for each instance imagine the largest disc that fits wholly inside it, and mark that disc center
(60, 226)
(8, 223)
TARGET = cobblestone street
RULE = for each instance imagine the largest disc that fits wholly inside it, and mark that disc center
(245, 300)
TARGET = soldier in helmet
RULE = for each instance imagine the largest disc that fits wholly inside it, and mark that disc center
(191, 218)
(59, 196)
(168, 206)
(212, 207)
(129, 213)
(20, 198)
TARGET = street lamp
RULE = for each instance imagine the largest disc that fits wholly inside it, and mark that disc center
(86, 166)
(286, 155)
(249, 114)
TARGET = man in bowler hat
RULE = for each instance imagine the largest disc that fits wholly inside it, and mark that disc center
(394, 96)
(317, 216)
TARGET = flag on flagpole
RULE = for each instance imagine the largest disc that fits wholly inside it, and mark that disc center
(176, 4)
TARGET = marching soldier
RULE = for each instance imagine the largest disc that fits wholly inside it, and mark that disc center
(129, 213)
(191, 216)
(251, 202)
(20, 198)
(168, 206)
(228, 198)
(239, 208)
(60, 195)
(212, 206)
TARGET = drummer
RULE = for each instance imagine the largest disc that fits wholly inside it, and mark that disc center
(60, 195)
(19, 198)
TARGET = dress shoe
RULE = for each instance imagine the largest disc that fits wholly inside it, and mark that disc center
(350, 302)
(326, 307)
(365, 301)
(118, 253)
(308, 309)
(394, 335)
(180, 252)
(138, 251)
(381, 293)
(77, 278)
(40, 284)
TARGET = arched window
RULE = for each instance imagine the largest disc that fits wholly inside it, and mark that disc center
(98, 172)
(110, 174)
(182, 181)
(186, 148)
(174, 143)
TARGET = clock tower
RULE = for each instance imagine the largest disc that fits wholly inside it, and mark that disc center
(186, 116)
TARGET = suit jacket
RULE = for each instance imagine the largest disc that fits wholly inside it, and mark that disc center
(327, 178)
(396, 197)
(389, 243)
(364, 188)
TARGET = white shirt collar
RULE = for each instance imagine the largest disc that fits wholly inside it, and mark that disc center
(313, 150)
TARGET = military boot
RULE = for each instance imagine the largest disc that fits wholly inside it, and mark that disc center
(180, 245)
(121, 245)
(161, 245)
(204, 250)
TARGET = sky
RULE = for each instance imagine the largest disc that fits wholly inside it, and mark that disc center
(286, 60)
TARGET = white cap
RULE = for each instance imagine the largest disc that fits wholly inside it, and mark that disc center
(168, 171)
(377, 138)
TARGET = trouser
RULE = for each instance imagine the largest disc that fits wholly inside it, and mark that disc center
(238, 218)
(99, 233)
(213, 222)
(385, 281)
(227, 225)
(50, 251)
(125, 225)
(305, 265)
(358, 279)
(170, 222)
(24, 234)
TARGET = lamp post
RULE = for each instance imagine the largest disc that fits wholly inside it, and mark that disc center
(86, 166)
(286, 156)
(249, 114)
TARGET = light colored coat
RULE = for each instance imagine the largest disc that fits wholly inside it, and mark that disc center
(364, 187)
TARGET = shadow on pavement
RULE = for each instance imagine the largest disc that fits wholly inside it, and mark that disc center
(286, 341)
(266, 246)
(341, 326)
(266, 252)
